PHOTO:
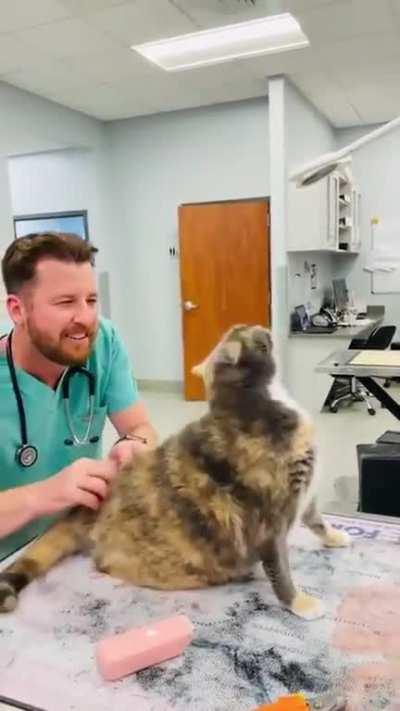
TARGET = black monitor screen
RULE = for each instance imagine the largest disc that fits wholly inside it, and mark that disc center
(341, 294)
(303, 317)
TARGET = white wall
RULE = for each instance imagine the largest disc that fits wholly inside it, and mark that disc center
(376, 170)
(71, 179)
(309, 132)
(297, 134)
(301, 291)
(158, 162)
(6, 234)
(309, 135)
(42, 177)
(301, 133)
(30, 124)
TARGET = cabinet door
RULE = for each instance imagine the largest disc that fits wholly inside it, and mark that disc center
(355, 215)
(307, 216)
(332, 236)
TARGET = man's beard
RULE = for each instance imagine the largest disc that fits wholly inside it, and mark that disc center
(63, 350)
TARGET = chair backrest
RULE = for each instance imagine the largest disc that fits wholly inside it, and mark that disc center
(380, 338)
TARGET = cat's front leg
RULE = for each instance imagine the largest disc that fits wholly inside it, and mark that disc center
(275, 559)
(331, 537)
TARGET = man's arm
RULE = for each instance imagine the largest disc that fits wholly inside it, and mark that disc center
(17, 508)
(83, 483)
(132, 421)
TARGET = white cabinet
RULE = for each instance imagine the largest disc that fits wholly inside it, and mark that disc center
(332, 207)
(355, 237)
(324, 216)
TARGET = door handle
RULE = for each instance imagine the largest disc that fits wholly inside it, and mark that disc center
(190, 306)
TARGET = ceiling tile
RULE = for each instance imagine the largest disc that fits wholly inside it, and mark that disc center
(362, 51)
(346, 19)
(106, 103)
(328, 96)
(21, 14)
(84, 7)
(46, 79)
(368, 75)
(68, 38)
(378, 102)
(112, 66)
(18, 56)
(10, 55)
(142, 21)
(395, 7)
(77, 52)
(300, 60)
(213, 13)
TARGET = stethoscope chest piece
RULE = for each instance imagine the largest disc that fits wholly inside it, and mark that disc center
(27, 455)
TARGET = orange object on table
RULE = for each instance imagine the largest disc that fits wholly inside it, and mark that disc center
(295, 702)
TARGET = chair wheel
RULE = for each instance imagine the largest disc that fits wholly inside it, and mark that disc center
(372, 411)
(333, 408)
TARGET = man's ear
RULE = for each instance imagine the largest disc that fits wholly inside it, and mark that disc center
(15, 308)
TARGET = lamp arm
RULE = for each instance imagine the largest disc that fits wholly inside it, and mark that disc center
(342, 153)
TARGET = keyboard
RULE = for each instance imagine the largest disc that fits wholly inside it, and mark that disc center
(359, 323)
(320, 329)
(363, 321)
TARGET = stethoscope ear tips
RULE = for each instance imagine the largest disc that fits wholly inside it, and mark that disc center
(69, 442)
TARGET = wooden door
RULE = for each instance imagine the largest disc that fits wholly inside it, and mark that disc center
(225, 275)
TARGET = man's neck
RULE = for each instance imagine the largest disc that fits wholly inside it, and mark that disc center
(27, 357)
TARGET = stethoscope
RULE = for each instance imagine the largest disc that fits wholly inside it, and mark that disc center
(27, 454)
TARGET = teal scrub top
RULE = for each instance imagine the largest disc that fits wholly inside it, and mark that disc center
(47, 424)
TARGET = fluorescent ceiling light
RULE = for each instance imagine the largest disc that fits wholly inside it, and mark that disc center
(276, 33)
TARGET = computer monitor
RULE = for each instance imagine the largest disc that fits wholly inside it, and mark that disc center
(340, 294)
(303, 319)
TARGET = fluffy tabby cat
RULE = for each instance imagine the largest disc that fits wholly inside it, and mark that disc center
(211, 501)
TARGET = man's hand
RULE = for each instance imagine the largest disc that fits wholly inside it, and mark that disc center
(86, 482)
(124, 452)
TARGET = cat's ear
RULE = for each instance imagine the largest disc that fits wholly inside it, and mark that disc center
(199, 369)
(231, 352)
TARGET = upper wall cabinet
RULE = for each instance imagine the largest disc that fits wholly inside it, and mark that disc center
(324, 216)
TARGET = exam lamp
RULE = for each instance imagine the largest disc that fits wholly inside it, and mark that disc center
(339, 160)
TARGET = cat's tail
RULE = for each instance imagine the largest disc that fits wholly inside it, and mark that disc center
(67, 536)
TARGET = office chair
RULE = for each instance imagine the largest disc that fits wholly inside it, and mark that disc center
(394, 346)
(378, 340)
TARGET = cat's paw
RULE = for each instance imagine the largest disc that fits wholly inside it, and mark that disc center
(336, 539)
(8, 597)
(307, 607)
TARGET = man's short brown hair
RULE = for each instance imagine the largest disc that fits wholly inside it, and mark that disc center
(22, 256)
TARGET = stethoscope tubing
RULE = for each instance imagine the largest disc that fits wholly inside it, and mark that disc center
(26, 453)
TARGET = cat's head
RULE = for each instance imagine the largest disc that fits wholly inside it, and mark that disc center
(242, 359)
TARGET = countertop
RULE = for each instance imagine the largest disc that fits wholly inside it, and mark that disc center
(345, 332)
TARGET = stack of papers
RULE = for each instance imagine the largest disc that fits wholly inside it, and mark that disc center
(390, 358)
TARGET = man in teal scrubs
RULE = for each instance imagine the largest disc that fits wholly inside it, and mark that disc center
(52, 303)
